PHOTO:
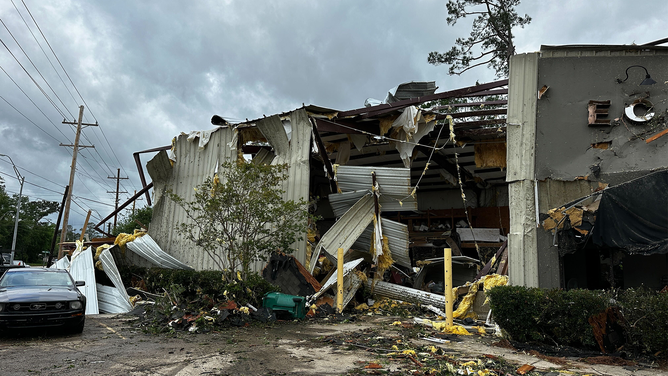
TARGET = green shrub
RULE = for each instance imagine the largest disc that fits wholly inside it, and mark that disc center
(565, 316)
(562, 317)
(517, 310)
(646, 314)
(191, 285)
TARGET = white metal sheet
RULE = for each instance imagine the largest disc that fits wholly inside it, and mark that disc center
(347, 268)
(109, 267)
(111, 300)
(341, 202)
(147, 248)
(83, 269)
(397, 236)
(392, 181)
(63, 263)
(346, 230)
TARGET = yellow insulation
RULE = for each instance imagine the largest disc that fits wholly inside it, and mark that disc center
(123, 238)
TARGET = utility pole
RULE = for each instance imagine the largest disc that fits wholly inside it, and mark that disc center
(118, 182)
(21, 179)
(76, 146)
(133, 204)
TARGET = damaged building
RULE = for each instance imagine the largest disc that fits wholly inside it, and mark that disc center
(428, 168)
(587, 159)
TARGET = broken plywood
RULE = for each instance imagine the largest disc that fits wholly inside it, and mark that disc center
(490, 154)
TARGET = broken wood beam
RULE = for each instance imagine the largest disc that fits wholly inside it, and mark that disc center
(660, 134)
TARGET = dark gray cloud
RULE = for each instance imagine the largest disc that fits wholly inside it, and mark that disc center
(149, 70)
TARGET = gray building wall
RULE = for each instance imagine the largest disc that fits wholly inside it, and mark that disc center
(565, 160)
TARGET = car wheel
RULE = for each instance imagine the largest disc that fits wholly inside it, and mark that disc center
(78, 328)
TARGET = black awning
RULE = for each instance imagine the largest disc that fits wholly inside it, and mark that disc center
(634, 216)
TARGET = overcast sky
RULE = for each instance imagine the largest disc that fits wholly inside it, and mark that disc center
(149, 70)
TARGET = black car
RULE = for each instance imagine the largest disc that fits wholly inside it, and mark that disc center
(38, 297)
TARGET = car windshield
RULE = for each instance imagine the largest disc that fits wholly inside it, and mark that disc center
(36, 279)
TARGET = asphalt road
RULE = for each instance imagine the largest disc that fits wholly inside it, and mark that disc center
(109, 345)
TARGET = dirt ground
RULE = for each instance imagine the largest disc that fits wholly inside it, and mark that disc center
(110, 345)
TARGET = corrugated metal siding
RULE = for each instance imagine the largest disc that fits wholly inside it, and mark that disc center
(82, 269)
(341, 202)
(296, 154)
(347, 229)
(397, 236)
(147, 248)
(111, 300)
(521, 141)
(110, 269)
(392, 181)
(298, 184)
(191, 168)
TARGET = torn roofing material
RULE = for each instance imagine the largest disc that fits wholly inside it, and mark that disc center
(147, 248)
(83, 269)
(111, 300)
(393, 181)
(341, 202)
(346, 230)
(119, 299)
(398, 292)
(397, 234)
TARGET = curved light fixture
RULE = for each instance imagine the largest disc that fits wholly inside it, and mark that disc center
(647, 81)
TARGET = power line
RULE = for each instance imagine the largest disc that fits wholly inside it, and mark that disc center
(33, 80)
(60, 193)
(35, 124)
(61, 64)
(34, 66)
(75, 88)
(44, 52)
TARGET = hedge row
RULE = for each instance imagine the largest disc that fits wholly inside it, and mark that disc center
(190, 284)
(562, 317)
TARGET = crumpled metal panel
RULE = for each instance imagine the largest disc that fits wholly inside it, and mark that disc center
(406, 294)
(397, 236)
(191, 168)
(83, 269)
(331, 281)
(392, 181)
(341, 202)
(109, 267)
(111, 300)
(147, 248)
(295, 151)
(63, 263)
(346, 230)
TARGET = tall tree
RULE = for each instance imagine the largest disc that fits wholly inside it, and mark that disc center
(491, 38)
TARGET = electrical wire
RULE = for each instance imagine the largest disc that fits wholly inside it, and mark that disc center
(34, 66)
(44, 52)
(27, 118)
(33, 80)
(61, 64)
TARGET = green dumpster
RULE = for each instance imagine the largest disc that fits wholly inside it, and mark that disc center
(294, 305)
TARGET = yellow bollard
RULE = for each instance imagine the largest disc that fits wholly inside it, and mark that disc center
(447, 265)
(339, 281)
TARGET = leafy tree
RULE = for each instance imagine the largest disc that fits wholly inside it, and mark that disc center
(242, 218)
(34, 233)
(129, 223)
(491, 38)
